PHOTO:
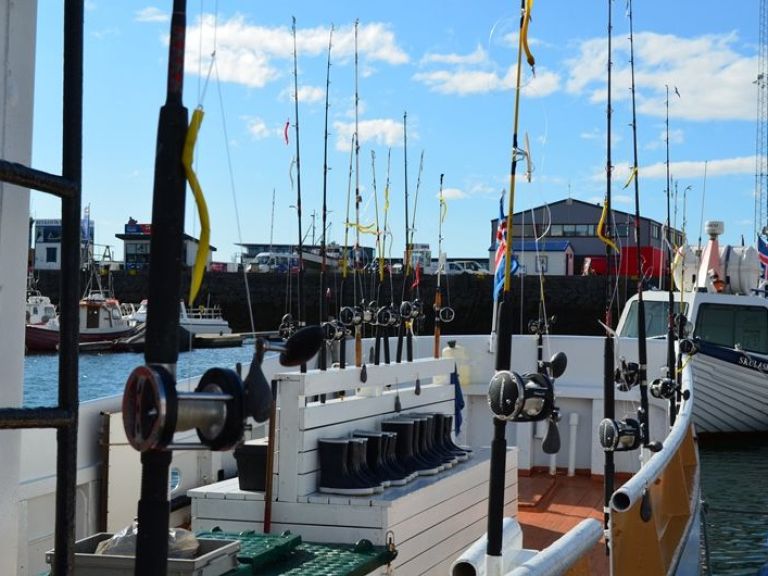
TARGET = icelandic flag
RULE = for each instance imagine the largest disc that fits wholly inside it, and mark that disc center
(501, 249)
(458, 400)
(762, 254)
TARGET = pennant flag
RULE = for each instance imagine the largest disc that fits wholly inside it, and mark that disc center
(458, 400)
(285, 131)
(762, 254)
(417, 279)
(501, 251)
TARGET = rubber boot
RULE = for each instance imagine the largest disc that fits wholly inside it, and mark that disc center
(335, 478)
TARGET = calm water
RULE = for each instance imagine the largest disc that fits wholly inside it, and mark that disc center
(105, 374)
(733, 476)
(736, 492)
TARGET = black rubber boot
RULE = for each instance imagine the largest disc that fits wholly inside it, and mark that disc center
(462, 453)
(390, 456)
(377, 458)
(405, 447)
(335, 478)
(358, 466)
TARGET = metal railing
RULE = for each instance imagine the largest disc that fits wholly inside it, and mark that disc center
(67, 186)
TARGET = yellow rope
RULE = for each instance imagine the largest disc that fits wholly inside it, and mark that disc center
(201, 258)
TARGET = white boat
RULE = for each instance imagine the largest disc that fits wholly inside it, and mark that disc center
(196, 321)
(728, 333)
(39, 308)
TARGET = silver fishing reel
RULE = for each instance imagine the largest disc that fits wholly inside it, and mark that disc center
(351, 316)
(369, 312)
(332, 330)
(445, 314)
(287, 326)
(663, 388)
(153, 410)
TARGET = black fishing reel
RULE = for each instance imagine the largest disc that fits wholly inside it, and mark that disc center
(663, 388)
(683, 328)
(287, 327)
(627, 375)
(386, 317)
(153, 410)
(620, 435)
(332, 330)
(526, 398)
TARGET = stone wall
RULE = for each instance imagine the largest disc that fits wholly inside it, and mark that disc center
(578, 302)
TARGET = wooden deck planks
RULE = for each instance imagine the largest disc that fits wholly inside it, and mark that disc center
(550, 506)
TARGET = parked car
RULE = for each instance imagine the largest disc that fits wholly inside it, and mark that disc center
(465, 267)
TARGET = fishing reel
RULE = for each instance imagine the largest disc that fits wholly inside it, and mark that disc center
(683, 327)
(369, 312)
(287, 326)
(539, 326)
(386, 317)
(663, 388)
(627, 375)
(332, 330)
(620, 435)
(153, 410)
(445, 314)
(411, 310)
(526, 398)
(351, 316)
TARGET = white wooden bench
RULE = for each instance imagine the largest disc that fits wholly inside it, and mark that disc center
(432, 519)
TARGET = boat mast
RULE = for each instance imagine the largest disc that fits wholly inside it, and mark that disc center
(438, 291)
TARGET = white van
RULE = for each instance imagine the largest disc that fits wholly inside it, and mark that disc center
(274, 262)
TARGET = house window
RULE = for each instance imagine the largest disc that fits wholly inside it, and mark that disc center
(655, 231)
(50, 254)
(556, 230)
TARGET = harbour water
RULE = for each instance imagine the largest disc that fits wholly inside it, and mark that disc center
(733, 473)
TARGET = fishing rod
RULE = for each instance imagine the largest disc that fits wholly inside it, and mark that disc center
(415, 305)
(358, 200)
(670, 369)
(348, 316)
(405, 310)
(300, 276)
(379, 320)
(330, 328)
(443, 315)
(512, 397)
(630, 434)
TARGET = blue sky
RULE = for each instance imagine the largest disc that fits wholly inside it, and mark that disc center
(452, 69)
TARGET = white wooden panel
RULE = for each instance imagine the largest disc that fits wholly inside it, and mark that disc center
(315, 382)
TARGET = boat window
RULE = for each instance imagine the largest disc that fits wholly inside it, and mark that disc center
(656, 318)
(734, 326)
(92, 317)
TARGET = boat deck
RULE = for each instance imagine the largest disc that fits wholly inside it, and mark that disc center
(549, 506)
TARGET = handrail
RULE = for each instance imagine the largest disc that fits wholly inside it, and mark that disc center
(563, 552)
(632, 490)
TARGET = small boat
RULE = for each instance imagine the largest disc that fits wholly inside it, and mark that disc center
(100, 320)
(196, 321)
(725, 312)
(39, 308)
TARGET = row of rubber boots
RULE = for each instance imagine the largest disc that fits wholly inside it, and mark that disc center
(408, 446)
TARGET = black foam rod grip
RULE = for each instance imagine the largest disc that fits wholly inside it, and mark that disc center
(551, 444)
(257, 392)
(301, 346)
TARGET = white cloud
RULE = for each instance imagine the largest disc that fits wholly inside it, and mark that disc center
(382, 131)
(714, 80)
(152, 14)
(246, 53)
(695, 169)
(463, 82)
(259, 129)
(453, 194)
(307, 94)
(479, 56)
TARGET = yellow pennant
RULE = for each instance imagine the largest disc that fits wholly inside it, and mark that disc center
(524, 34)
(632, 176)
(201, 258)
(601, 227)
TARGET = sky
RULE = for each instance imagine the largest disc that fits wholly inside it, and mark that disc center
(452, 70)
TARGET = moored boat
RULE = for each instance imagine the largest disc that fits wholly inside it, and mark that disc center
(725, 325)
(100, 318)
(201, 320)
